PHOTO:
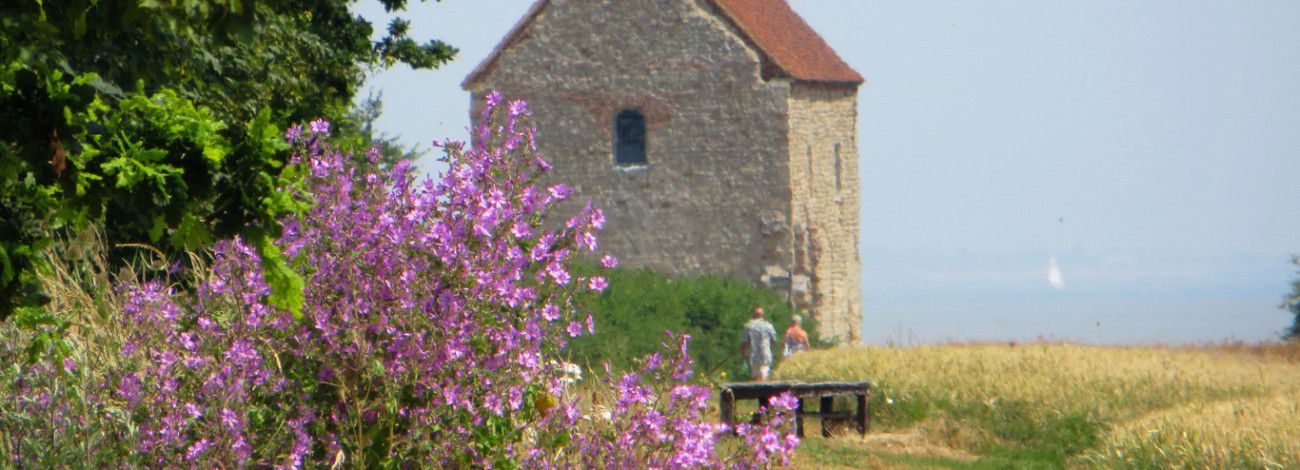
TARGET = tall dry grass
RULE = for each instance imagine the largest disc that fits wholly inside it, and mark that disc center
(81, 326)
(1069, 399)
(81, 286)
(1237, 433)
(1112, 383)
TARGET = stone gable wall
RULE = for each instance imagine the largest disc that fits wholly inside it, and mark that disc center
(713, 198)
(825, 199)
(716, 196)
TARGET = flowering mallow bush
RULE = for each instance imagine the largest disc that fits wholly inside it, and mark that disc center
(435, 313)
(654, 418)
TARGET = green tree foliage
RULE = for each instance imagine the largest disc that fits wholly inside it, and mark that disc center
(163, 120)
(640, 305)
(1292, 303)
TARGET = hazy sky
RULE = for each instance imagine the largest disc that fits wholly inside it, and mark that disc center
(1152, 148)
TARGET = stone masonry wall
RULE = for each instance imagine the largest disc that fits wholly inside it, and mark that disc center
(714, 197)
(824, 217)
(741, 175)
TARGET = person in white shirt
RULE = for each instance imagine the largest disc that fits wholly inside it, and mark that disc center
(756, 345)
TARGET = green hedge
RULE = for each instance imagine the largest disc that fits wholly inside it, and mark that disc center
(640, 305)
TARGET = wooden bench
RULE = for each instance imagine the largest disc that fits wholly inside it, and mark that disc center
(824, 392)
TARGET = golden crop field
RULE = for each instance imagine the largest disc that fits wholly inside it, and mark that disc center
(1065, 405)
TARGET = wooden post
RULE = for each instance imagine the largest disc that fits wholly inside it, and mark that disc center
(864, 415)
(798, 417)
(762, 408)
(726, 407)
(827, 409)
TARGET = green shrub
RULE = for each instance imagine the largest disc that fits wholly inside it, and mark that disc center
(162, 122)
(640, 305)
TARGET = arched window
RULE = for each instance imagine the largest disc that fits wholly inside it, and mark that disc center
(629, 138)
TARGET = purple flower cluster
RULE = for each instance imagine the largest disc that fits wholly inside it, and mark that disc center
(433, 310)
(429, 307)
(654, 418)
(772, 442)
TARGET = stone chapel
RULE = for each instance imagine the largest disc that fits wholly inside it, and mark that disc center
(719, 136)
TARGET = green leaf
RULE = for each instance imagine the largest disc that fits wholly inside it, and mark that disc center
(191, 234)
(79, 26)
(215, 154)
(102, 86)
(287, 286)
(31, 317)
(159, 226)
(37, 346)
(6, 266)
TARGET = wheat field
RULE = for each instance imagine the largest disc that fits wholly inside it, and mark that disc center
(1074, 405)
(1236, 433)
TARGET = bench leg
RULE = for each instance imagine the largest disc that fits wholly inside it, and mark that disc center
(764, 406)
(864, 415)
(798, 418)
(727, 408)
(826, 408)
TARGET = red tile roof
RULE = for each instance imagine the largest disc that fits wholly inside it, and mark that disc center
(787, 41)
(775, 30)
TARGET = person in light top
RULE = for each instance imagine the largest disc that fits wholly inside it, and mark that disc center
(796, 339)
(756, 345)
